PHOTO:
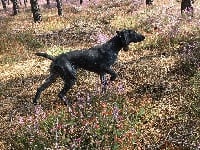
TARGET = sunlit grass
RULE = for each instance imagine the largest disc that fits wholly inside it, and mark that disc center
(52, 23)
(155, 98)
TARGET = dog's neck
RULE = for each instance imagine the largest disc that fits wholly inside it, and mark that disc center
(117, 44)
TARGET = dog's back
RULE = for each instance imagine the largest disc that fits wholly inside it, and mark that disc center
(92, 59)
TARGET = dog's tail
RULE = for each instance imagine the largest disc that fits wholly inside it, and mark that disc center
(45, 55)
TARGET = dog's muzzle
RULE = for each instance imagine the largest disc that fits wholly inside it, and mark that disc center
(142, 37)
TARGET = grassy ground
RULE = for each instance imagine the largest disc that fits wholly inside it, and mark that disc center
(154, 103)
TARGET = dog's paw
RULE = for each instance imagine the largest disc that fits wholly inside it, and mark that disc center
(34, 102)
(112, 78)
(64, 99)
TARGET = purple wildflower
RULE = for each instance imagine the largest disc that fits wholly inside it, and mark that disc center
(116, 112)
(121, 88)
(101, 38)
(21, 120)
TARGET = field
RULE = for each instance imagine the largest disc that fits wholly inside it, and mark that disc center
(153, 104)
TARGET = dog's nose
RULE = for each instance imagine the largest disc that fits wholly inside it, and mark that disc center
(142, 37)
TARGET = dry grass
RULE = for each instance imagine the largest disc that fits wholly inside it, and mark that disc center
(158, 107)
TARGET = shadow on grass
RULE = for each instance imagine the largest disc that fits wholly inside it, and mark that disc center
(156, 91)
(190, 60)
(17, 95)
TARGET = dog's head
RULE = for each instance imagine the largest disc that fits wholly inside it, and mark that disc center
(128, 36)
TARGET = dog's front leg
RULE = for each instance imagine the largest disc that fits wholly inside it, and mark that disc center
(68, 83)
(112, 73)
(103, 82)
(108, 70)
(103, 79)
(104, 69)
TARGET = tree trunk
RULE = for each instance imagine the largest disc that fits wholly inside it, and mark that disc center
(25, 1)
(186, 6)
(20, 2)
(36, 11)
(15, 7)
(149, 2)
(81, 2)
(4, 4)
(48, 3)
(59, 6)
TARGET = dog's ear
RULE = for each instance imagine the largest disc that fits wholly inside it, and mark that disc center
(120, 34)
(124, 39)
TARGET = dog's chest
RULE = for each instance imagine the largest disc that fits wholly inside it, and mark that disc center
(110, 58)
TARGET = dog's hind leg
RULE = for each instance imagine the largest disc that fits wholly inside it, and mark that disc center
(45, 85)
(67, 85)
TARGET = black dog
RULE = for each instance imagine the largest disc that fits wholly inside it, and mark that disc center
(97, 59)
